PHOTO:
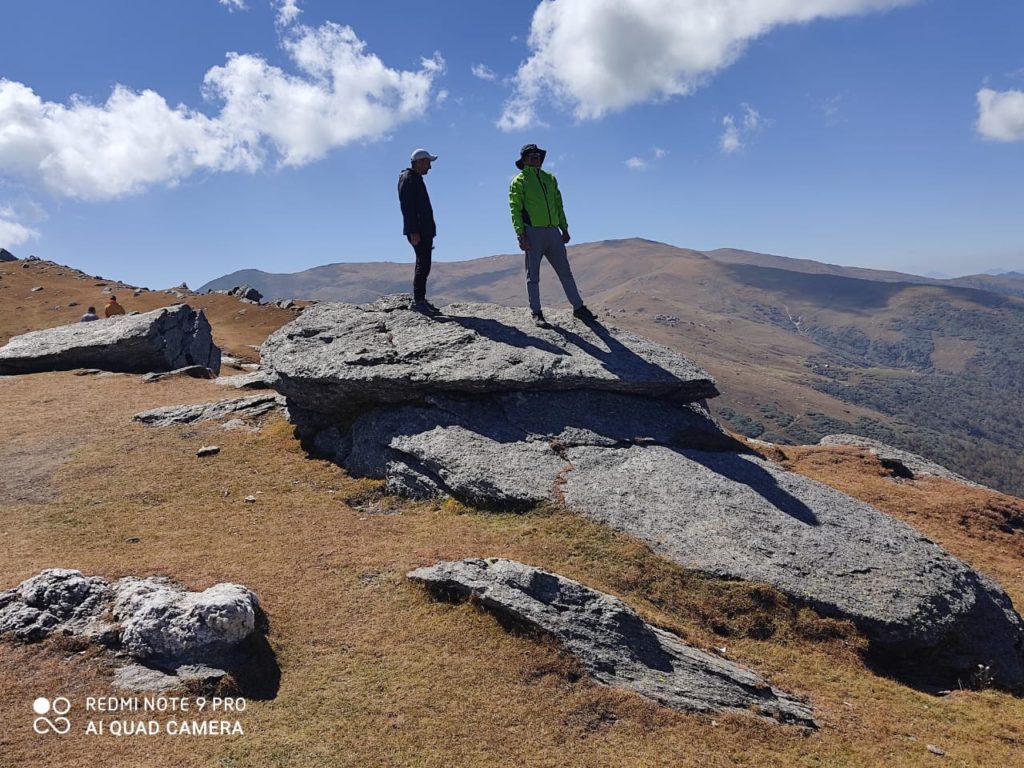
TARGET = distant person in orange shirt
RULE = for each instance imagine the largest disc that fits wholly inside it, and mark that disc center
(113, 308)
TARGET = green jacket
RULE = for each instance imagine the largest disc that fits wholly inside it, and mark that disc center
(535, 200)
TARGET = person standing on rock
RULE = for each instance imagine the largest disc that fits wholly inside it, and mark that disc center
(89, 316)
(539, 220)
(113, 308)
(418, 224)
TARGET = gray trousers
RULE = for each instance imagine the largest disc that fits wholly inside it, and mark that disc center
(547, 241)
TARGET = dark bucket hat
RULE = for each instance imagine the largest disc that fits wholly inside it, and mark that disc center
(530, 148)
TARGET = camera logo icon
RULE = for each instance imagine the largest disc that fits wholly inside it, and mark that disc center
(59, 707)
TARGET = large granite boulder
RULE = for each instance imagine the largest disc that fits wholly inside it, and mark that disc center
(664, 473)
(481, 406)
(337, 358)
(161, 340)
(611, 641)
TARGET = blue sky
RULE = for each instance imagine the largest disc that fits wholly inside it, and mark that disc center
(161, 142)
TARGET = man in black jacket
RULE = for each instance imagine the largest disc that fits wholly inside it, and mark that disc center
(419, 227)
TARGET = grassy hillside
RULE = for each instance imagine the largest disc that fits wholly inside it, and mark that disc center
(802, 349)
(373, 672)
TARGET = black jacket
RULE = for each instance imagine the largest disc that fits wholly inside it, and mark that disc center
(417, 213)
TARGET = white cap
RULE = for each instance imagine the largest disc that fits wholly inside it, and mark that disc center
(422, 154)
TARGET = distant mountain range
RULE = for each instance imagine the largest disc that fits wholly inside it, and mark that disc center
(343, 281)
(800, 348)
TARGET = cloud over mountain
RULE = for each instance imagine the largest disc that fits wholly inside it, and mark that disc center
(600, 56)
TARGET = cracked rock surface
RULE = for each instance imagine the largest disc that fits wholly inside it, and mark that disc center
(336, 357)
(611, 641)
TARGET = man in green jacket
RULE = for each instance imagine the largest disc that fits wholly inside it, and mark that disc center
(539, 221)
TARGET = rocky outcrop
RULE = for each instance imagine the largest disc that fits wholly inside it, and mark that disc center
(247, 293)
(901, 463)
(161, 621)
(162, 340)
(6, 255)
(174, 632)
(611, 641)
(496, 414)
(237, 408)
(337, 358)
(56, 600)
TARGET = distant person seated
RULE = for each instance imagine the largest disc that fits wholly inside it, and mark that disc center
(113, 308)
(89, 316)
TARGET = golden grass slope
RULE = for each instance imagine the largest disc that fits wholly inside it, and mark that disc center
(375, 673)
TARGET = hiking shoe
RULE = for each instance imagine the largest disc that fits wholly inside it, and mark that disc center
(539, 321)
(431, 308)
(584, 314)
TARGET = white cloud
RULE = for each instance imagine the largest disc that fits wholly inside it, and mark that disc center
(287, 12)
(599, 56)
(11, 232)
(1001, 115)
(135, 140)
(832, 109)
(730, 141)
(483, 72)
(441, 98)
(636, 164)
(233, 5)
(737, 134)
(659, 153)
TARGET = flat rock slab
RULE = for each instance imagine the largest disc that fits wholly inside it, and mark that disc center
(902, 463)
(251, 380)
(725, 513)
(161, 340)
(336, 358)
(238, 407)
(611, 641)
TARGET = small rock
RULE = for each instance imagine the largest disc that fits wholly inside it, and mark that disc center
(37, 288)
(250, 499)
(208, 450)
(936, 750)
(132, 540)
(248, 407)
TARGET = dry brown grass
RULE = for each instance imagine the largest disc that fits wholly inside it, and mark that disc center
(236, 325)
(373, 672)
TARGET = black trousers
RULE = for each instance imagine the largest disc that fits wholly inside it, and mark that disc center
(419, 280)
